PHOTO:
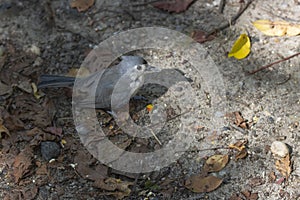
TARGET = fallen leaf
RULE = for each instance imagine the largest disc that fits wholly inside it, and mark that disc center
(37, 94)
(241, 154)
(241, 47)
(198, 184)
(240, 146)
(82, 5)
(249, 195)
(54, 130)
(149, 107)
(3, 129)
(5, 89)
(87, 169)
(216, 163)
(22, 163)
(201, 37)
(176, 6)
(277, 28)
(25, 86)
(283, 165)
(119, 188)
(272, 177)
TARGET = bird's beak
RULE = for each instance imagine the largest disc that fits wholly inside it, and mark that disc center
(152, 69)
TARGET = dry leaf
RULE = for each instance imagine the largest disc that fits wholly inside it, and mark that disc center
(22, 163)
(240, 146)
(200, 36)
(277, 28)
(82, 5)
(3, 129)
(118, 188)
(149, 107)
(241, 47)
(5, 89)
(37, 94)
(198, 184)
(283, 165)
(176, 6)
(88, 170)
(216, 163)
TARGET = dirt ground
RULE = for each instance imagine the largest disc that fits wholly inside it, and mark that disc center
(50, 37)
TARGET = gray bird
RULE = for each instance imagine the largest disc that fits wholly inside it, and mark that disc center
(130, 71)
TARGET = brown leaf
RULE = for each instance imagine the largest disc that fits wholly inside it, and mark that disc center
(11, 122)
(3, 129)
(201, 37)
(197, 183)
(41, 168)
(176, 6)
(86, 168)
(22, 163)
(283, 165)
(118, 188)
(216, 163)
(237, 118)
(240, 146)
(54, 130)
(30, 192)
(82, 5)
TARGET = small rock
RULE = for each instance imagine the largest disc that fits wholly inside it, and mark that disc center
(50, 150)
(279, 149)
(34, 49)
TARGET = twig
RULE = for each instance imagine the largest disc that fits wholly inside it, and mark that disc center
(233, 19)
(221, 6)
(271, 64)
(156, 138)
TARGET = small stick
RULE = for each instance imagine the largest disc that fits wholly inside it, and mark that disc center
(233, 19)
(271, 64)
(221, 6)
(156, 138)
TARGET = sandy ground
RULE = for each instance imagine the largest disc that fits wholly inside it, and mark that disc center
(64, 37)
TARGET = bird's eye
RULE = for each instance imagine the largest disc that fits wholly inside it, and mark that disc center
(139, 67)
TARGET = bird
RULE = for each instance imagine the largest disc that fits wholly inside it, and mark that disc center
(129, 72)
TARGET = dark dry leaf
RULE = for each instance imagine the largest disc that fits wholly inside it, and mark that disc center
(22, 163)
(118, 188)
(198, 183)
(86, 168)
(54, 130)
(201, 37)
(176, 6)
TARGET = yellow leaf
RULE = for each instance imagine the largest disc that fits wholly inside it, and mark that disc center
(277, 28)
(241, 47)
(149, 107)
(37, 94)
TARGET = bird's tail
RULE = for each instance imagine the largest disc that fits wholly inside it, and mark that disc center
(55, 81)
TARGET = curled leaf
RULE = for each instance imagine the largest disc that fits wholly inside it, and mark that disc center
(149, 107)
(277, 28)
(241, 47)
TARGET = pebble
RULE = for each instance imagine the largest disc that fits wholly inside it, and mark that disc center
(50, 150)
(279, 149)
